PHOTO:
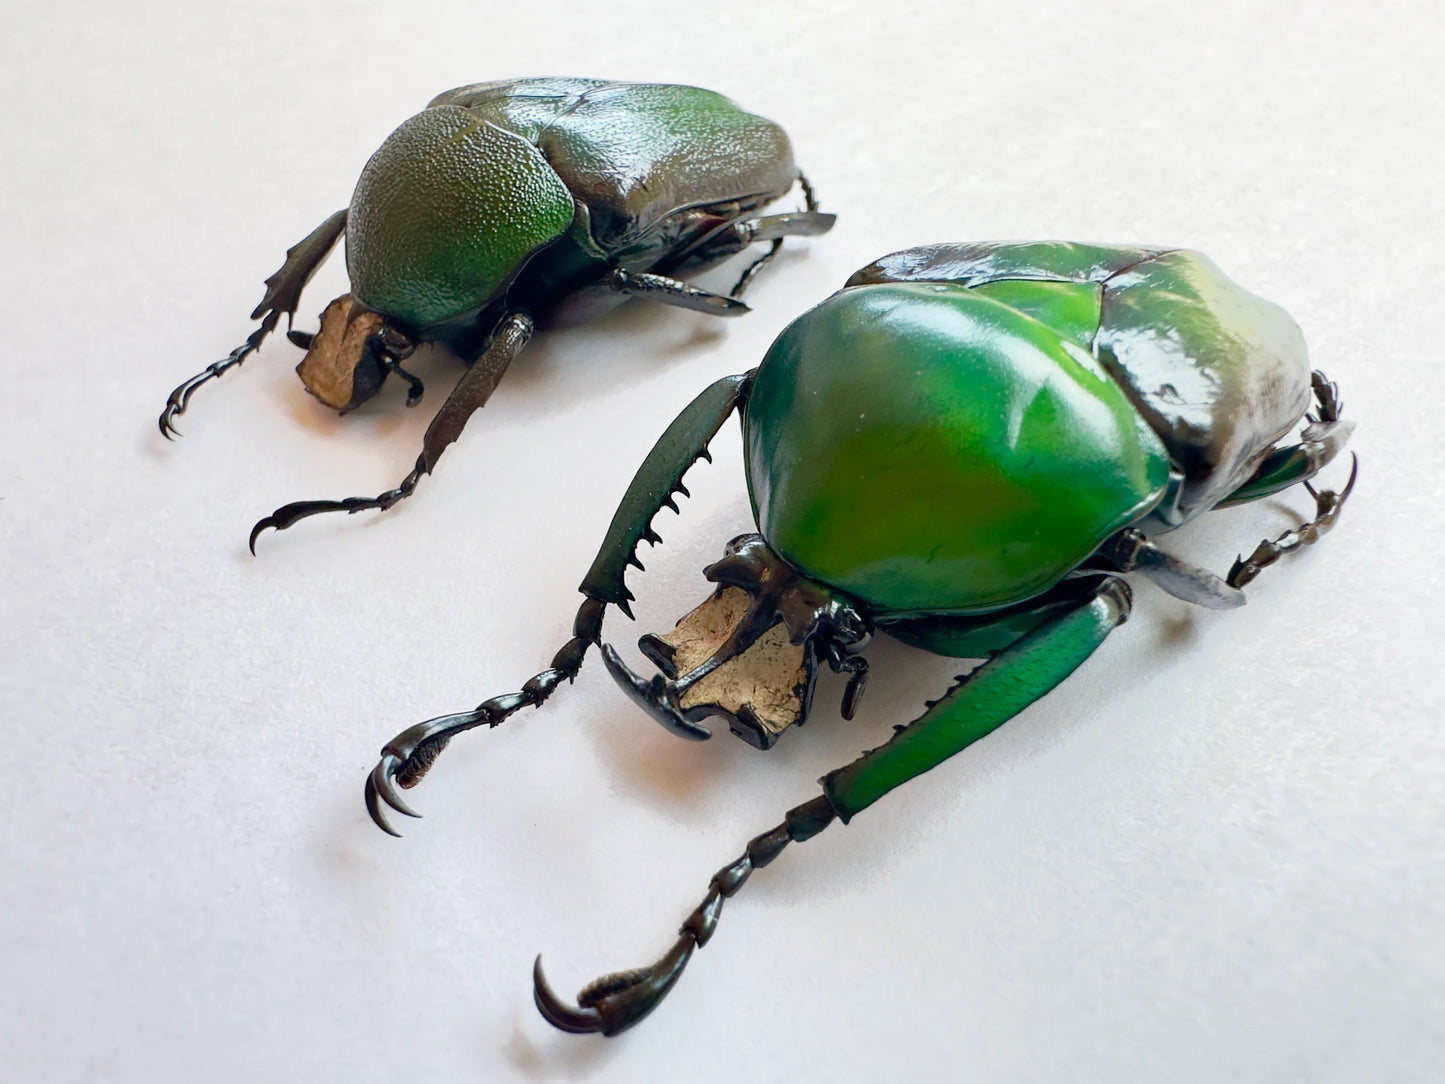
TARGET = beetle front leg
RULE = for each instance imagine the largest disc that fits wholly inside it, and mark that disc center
(976, 706)
(409, 756)
(470, 394)
(283, 294)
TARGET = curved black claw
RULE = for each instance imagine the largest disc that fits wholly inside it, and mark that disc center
(290, 514)
(180, 398)
(176, 404)
(654, 697)
(406, 759)
(615, 1002)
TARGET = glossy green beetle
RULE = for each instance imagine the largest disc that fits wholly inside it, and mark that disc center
(966, 447)
(504, 203)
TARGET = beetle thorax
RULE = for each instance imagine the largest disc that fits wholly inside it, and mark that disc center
(446, 213)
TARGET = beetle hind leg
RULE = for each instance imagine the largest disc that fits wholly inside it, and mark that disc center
(769, 228)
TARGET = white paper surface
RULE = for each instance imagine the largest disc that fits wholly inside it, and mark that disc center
(1214, 854)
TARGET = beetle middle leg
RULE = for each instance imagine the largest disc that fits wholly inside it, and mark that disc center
(771, 228)
(283, 294)
(407, 758)
(736, 236)
(470, 394)
(1009, 682)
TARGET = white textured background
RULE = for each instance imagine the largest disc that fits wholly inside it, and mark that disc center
(1216, 854)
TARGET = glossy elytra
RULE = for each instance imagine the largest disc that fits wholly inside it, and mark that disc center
(504, 204)
(968, 448)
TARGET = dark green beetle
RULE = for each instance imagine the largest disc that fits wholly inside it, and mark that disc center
(505, 203)
(966, 447)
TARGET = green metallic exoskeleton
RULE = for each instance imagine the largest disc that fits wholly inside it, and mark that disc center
(505, 204)
(967, 447)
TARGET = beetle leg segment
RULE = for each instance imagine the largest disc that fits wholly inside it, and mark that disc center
(984, 700)
(681, 445)
(283, 294)
(407, 758)
(732, 238)
(616, 1002)
(470, 394)
(670, 291)
(977, 705)
(771, 228)
(1130, 551)
(180, 397)
(513, 333)
(414, 387)
(289, 514)
(1328, 504)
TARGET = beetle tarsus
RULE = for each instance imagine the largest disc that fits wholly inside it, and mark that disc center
(180, 398)
(414, 386)
(283, 294)
(1327, 399)
(1328, 504)
(810, 197)
(290, 514)
(754, 269)
(406, 759)
(616, 1002)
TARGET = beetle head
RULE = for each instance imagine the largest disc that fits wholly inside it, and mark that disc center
(349, 358)
(750, 653)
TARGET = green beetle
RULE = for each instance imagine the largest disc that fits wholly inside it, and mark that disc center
(503, 204)
(966, 447)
